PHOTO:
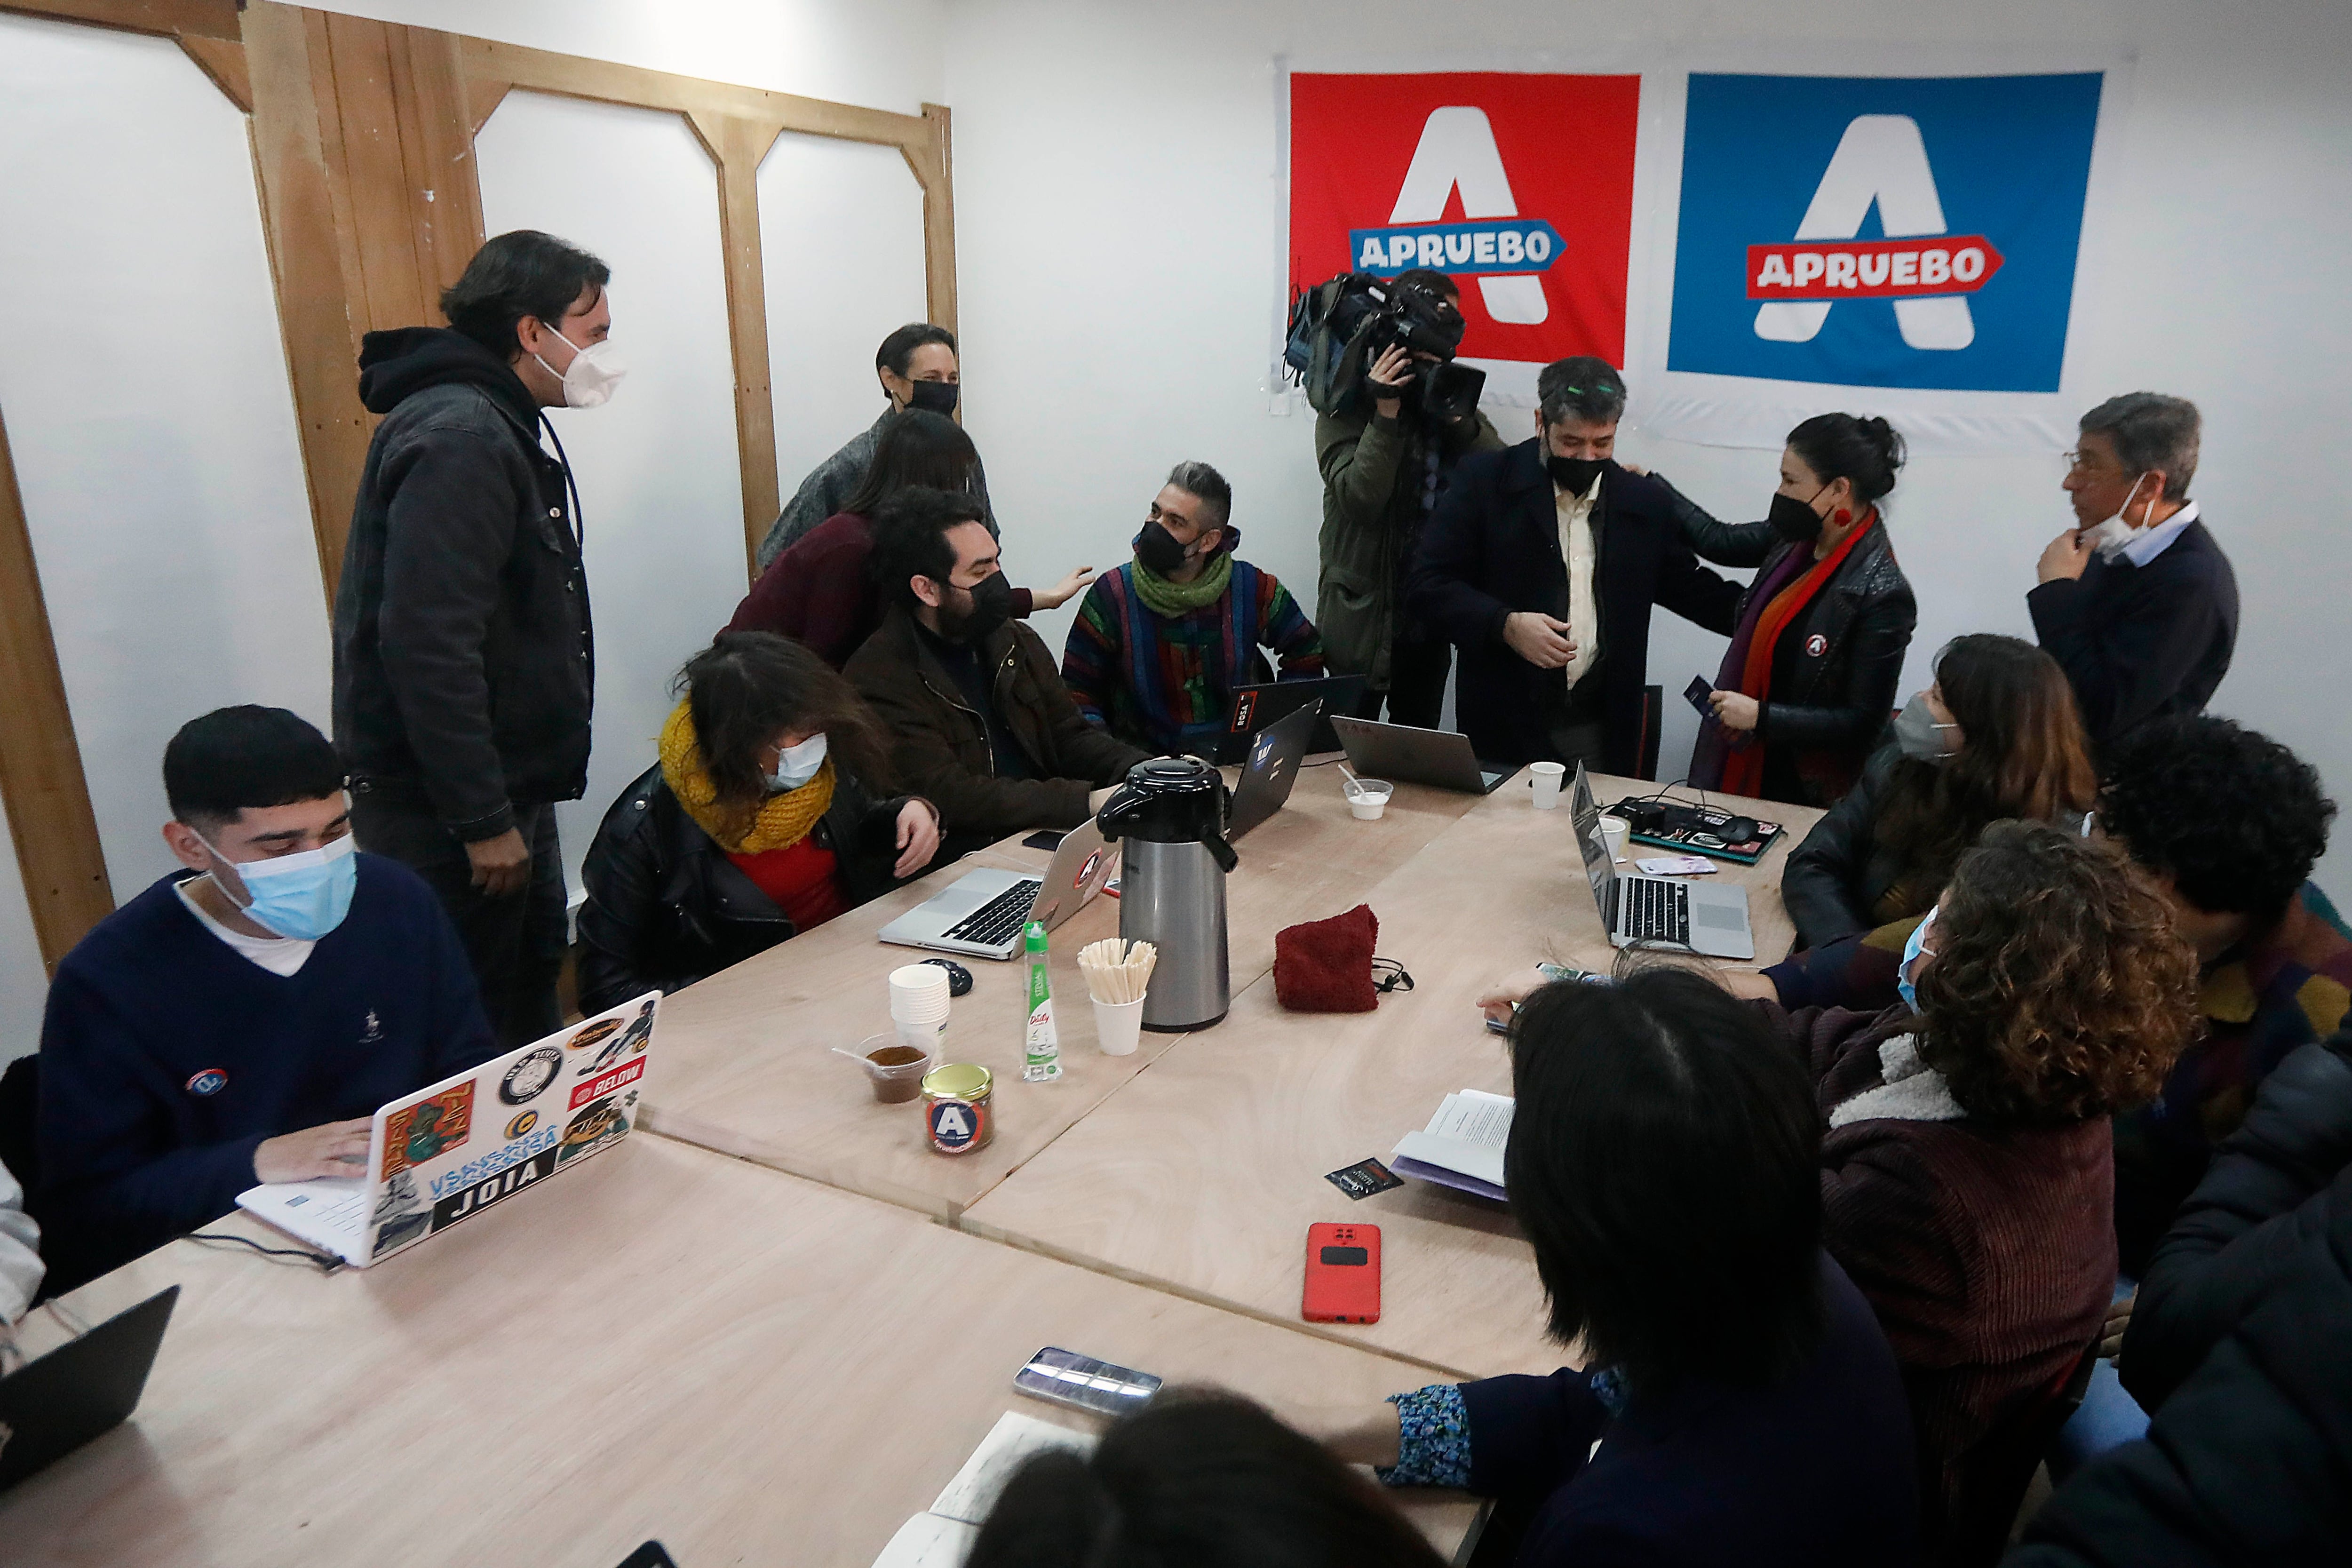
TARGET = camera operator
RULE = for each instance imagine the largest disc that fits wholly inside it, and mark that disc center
(1385, 459)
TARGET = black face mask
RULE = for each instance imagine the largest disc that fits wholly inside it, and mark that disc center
(933, 396)
(991, 606)
(1574, 474)
(1157, 550)
(1793, 520)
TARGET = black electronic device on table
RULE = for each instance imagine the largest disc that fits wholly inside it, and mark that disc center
(1697, 829)
(1258, 708)
(81, 1390)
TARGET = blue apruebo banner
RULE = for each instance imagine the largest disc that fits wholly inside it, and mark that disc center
(1775, 166)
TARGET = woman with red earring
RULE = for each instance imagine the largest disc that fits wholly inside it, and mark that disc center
(1816, 653)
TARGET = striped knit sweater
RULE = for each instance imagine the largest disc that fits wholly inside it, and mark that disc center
(1166, 682)
(1985, 1249)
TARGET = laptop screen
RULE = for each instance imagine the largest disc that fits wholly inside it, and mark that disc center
(1599, 869)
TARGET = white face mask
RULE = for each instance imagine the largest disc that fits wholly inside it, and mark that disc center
(795, 766)
(588, 379)
(2109, 537)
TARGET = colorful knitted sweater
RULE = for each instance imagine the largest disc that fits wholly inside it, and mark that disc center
(1166, 682)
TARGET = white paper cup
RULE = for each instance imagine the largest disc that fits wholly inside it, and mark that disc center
(1545, 778)
(919, 994)
(1118, 1026)
(1614, 829)
(1368, 798)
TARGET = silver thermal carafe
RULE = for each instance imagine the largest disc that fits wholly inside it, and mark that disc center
(1170, 814)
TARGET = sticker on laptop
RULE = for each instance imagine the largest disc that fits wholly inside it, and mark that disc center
(600, 1124)
(528, 1079)
(595, 1033)
(429, 1129)
(401, 1216)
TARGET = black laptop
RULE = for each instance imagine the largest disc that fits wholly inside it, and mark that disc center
(83, 1389)
(1271, 770)
(1258, 708)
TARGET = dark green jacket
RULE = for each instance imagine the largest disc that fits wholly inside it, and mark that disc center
(1371, 508)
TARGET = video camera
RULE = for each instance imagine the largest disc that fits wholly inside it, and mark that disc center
(1339, 328)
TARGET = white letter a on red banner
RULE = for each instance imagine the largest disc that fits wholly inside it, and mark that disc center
(1457, 151)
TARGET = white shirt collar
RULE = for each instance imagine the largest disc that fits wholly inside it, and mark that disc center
(2148, 543)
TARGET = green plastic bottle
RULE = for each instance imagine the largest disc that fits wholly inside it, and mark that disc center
(1041, 1060)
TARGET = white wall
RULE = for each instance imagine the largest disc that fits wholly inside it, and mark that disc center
(841, 245)
(660, 489)
(148, 410)
(1120, 223)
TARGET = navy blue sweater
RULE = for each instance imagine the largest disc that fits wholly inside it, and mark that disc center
(1816, 1470)
(166, 1055)
(2142, 642)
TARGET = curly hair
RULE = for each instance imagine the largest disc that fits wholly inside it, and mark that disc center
(2061, 990)
(2234, 818)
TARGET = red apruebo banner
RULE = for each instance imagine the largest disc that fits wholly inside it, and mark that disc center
(1519, 185)
(1872, 269)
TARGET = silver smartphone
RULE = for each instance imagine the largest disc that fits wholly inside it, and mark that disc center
(1085, 1383)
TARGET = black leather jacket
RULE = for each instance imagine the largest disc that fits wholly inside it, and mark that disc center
(1835, 879)
(1838, 666)
(666, 907)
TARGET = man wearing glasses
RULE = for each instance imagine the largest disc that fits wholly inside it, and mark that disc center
(2136, 602)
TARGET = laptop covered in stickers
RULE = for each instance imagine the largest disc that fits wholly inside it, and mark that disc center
(445, 1154)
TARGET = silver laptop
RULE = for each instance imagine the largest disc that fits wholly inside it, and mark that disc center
(1401, 751)
(1270, 769)
(1657, 911)
(452, 1148)
(981, 913)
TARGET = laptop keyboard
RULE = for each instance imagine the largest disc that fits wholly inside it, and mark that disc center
(340, 1216)
(1655, 910)
(998, 919)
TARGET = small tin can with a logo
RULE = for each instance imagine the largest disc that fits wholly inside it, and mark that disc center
(957, 1113)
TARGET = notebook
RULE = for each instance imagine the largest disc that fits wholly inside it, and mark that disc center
(1462, 1147)
(941, 1537)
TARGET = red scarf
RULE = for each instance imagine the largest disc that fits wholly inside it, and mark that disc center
(1743, 769)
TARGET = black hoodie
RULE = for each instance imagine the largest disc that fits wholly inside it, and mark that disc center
(464, 664)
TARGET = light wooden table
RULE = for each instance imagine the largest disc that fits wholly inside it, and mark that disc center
(1203, 1176)
(744, 1065)
(664, 1344)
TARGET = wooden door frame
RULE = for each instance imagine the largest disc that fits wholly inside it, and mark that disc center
(362, 136)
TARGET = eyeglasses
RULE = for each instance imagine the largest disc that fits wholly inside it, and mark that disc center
(2081, 462)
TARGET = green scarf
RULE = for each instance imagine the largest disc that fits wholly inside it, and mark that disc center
(1165, 598)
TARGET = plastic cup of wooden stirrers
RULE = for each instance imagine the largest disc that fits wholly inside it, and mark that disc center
(1117, 972)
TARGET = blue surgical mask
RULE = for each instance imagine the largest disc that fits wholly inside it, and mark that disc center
(302, 896)
(1913, 952)
(795, 766)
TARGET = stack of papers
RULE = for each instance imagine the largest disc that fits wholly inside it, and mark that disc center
(943, 1537)
(1462, 1147)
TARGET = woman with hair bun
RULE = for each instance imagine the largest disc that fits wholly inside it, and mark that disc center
(1817, 650)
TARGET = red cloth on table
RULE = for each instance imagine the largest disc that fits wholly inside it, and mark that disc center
(1326, 966)
(803, 879)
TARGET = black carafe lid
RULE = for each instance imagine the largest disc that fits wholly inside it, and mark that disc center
(1171, 800)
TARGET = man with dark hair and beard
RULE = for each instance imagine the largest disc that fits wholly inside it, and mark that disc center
(463, 669)
(980, 722)
(1543, 563)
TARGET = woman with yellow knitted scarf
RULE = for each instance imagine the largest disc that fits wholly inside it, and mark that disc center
(759, 822)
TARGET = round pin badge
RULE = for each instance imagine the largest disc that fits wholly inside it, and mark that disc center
(1816, 645)
(212, 1080)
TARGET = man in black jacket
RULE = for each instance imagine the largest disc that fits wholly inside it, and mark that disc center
(2136, 602)
(2241, 1343)
(1541, 564)
(463, 668)
(980, 723)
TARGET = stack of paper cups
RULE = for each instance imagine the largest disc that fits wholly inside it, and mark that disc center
(919, 1005)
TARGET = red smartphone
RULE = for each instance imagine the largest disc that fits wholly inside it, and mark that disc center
(1343, 1274)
